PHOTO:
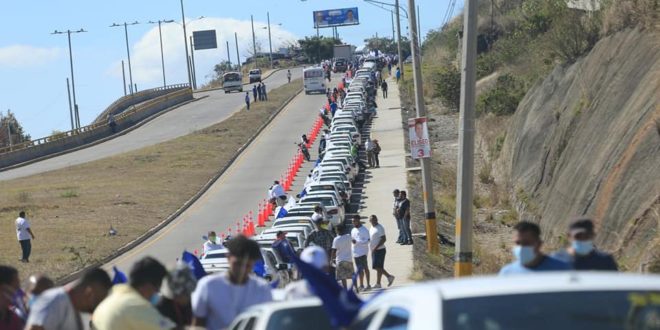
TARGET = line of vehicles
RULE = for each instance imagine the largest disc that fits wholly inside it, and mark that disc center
(233, 81)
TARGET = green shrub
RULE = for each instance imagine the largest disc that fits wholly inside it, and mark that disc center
(447, 86)
(503, 98)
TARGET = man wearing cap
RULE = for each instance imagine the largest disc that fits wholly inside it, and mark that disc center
(220, 297)
(315, 256)
(582, 254)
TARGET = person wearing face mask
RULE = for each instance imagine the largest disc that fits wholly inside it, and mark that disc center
(527, 252)
(59, 308)
(582, 254)
(132, 306)
(212, 243)
(220, 297)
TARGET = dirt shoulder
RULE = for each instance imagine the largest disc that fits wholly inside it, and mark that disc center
(71, 210)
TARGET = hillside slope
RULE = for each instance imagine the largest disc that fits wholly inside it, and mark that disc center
(586, 141)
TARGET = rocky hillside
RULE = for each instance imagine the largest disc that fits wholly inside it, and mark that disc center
(586, 141)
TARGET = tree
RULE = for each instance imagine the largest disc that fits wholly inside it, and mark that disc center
(389, 46)
(9, 126)
(223, 67)
(318, 48)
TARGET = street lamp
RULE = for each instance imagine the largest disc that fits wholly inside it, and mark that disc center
(160, 35)
(397, 7)
(72, 111)
(189, 61)
(128, 52)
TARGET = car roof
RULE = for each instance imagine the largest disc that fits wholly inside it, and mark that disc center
(483, 286)
(274, 306)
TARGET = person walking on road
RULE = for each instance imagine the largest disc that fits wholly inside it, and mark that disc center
(25, 236)
(376, 152)
(264, 95)
(582, 254)
(254, 92)
(383, 86)
(397, 74)
(527, 252)
(341, 254)
(247, 100)
(403, 213)
(288, 75)
(377, 246)
(132, 306)
(220, 297)
(59, 308)
(360, 240)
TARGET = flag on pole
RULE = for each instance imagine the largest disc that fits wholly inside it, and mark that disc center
(119, 277)
(194, 264)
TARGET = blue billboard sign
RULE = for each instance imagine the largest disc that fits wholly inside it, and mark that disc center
(336, 17)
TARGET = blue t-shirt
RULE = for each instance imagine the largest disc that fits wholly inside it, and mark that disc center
(548, 264)
(596, 260)
(284, 250)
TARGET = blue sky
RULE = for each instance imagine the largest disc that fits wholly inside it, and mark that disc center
(34, 64)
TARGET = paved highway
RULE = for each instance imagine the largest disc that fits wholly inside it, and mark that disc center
(184, 120)
(238, 191)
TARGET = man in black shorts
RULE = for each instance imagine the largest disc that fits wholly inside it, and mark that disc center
(377, 246)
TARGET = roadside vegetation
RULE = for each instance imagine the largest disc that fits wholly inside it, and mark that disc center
(519, 42)
(71, 210)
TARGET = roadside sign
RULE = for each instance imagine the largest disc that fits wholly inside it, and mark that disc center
(420, 145)
(336, 17)
(204, 39)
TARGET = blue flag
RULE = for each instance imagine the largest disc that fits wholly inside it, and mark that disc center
(119, 277)
(194, 264)
(342, 305)
(303, 193)
(282, 213)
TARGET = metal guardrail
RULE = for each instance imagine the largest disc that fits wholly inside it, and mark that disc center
(88, 128)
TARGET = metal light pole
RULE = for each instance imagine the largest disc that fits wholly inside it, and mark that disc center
(68, 92)
(228, 57)
(73, 84)
(465, 175)
(398, 37)
(238, 58)
(128, 51)
(192, 61)
(270, 43)
(160, 36)
(391, 12)
(419, 28)
(427, 185)
(185, 41)
(254, 42)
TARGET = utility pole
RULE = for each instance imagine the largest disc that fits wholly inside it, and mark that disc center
(123, 76)
(238, 58)
(162, 55)
(192, 61)
(270, 44)
(419, 28)
(465, 175)
(73, 84)
(427, 185)
(254, 43)
(9, 133)
(393, 37)
(228, 57)
(398, 36)
(185, 42)
(68, 92)
(128, 51)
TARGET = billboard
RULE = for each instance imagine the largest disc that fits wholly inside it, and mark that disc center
(204, 39)
(336, 17)
(420, 145)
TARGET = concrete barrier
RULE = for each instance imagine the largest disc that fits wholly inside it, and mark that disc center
(125, 102)
(43, 147)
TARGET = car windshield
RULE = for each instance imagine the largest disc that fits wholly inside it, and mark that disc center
(313, 73)
(255, 72)
(325, 201)
(556, 310)
(233, 76)
(300, 318)
(216, 254)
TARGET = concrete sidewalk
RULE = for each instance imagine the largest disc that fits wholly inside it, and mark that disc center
(377, 198)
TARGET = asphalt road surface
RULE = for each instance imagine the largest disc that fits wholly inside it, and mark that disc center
(184, 120)
(238, 191)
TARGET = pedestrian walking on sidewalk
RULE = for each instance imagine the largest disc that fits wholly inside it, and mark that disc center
(247, 100)
(25, 236)
(377, 241)
(397, 73)
(341, 254)
(360, 240)
(383, 86)
(254, 92)
(377, 149)
(399, 221)
(403, 213)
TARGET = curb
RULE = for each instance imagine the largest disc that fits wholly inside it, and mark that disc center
(105, 139)
(186, 205)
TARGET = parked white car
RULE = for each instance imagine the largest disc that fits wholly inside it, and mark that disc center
(300, 314)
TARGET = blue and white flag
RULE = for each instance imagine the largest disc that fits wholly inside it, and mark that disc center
(193, 262)
(119, 277)
(282, 211)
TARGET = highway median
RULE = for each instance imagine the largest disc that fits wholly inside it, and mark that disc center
(73, 209)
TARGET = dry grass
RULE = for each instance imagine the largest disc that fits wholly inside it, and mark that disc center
(72, 209)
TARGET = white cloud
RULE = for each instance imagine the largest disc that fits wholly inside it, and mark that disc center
(145, 53)
(21, 56)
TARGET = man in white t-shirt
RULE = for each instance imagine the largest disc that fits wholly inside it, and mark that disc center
(341, 253)
(360, 239)
(212, 243)
(377, 246)
(277, 194)
(220, 297)
(25, 235)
